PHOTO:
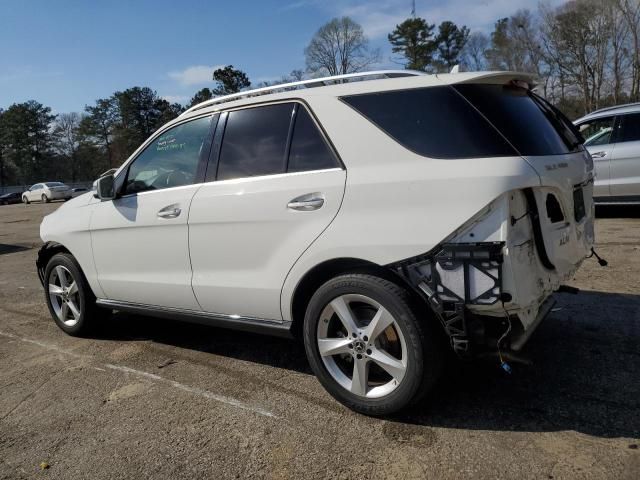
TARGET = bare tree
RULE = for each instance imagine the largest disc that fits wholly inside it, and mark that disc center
(66, 133)
(474, 52)
(578, 40)
(630, 10)
(339, 47)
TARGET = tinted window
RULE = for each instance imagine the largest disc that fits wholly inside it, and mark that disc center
(255, 142)
(630, 127)
(530, 124)
(54, 184)
(309, 151)
(435, 122)
(598, 131)
(170, 160)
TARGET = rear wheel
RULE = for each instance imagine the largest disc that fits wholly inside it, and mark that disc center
(69, 297)
(45, 199)
(367, 347)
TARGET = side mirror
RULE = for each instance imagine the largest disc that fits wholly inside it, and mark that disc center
(105, 188)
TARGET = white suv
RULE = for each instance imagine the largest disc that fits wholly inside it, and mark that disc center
(373, 217)
(613, 138)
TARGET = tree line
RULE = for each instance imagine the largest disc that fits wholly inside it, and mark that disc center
(585, 53)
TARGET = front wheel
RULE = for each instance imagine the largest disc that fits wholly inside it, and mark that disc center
(366, 345)
(25, 200)
(69, 297)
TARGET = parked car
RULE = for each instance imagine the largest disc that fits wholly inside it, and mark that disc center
(76, 192)
(381, 221)
(613, 139)
(47, 191)
(9, 198)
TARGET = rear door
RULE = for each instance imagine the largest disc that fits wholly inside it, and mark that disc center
(625, 160)
(273, 185)
(599, 140)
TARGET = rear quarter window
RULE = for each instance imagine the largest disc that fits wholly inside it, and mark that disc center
(434, 122)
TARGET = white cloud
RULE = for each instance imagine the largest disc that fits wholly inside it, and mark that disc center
(380, 18)
(176, 98)
(194, 75)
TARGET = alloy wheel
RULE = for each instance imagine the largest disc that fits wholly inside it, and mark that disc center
(64, 295)
(362, 346)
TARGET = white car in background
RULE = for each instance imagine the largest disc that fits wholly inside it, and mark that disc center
(47, 191)
(381, 221)
(613, 139)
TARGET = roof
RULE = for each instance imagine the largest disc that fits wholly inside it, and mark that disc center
(353, 84)
(615, 110)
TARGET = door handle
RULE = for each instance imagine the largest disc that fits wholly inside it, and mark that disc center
(171, 211)
(599, 154)
(307, 203)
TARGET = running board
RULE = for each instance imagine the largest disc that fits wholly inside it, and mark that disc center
(234, 322)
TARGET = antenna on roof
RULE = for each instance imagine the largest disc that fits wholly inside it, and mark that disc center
(455, 69)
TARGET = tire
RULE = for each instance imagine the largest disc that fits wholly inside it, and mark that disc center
(45, 199)
(416, 355)
(25, 200)
(85, 315)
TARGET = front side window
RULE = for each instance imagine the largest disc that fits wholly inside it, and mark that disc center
(435, 122)
(598, 131)
(255, 142)
(171, 160)
(309, 150)
(629, 127)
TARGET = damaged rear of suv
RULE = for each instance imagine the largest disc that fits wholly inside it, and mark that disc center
(382, 216)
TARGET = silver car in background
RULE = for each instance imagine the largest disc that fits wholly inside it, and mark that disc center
(613, 139)
(47, 191)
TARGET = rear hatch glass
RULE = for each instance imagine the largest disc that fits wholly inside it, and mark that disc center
(532, 125)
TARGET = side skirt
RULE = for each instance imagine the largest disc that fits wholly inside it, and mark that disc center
(234, 322)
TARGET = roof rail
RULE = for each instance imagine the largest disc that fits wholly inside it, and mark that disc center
(313, 82)
(606, 109)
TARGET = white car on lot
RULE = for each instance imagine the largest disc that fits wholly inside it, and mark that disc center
(382, 220)
(613, 138)
(46, 191)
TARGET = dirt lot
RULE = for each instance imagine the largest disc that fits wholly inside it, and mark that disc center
(149, 398)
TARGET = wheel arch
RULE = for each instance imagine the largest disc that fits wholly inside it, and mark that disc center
(328, 269)
(46, 252)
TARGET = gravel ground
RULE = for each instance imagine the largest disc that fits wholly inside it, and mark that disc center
(149, 398)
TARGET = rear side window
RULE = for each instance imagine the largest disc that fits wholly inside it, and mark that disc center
(255, 142)
(531, 125)
(629, 127)
(598, 131)
(434, 122)
(309, 151)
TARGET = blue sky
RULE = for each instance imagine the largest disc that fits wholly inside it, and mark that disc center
(67, 53)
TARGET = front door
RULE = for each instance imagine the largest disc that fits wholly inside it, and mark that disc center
(599, 135)
(276, 187)
(140, 240)
(625, 161)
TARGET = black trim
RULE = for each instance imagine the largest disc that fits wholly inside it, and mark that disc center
(247, 324)
(619, 200)
(287, 149)
(532, 207)
(214, 154)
